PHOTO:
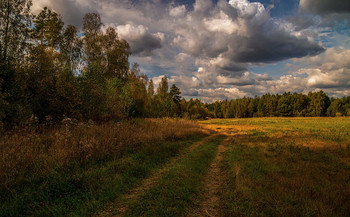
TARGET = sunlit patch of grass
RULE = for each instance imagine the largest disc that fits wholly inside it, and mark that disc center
(232, 129)
(292, 167)
(322, 128)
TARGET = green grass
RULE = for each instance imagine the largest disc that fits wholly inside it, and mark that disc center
(79, 190)
(177, 189)
(269, 167)
(285, 172)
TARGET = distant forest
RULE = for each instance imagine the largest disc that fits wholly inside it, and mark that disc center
(49, 72)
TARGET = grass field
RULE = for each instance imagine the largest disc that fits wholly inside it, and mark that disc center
(218, 167)
(285, 167)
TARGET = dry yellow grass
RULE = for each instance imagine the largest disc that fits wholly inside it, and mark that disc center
(22, 152)
(232, 129)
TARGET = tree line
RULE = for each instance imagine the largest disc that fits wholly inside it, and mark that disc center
(50, 71)
(313, 104)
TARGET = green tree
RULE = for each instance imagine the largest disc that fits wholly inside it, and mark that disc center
(48, 26)
(44, 65)
(117, 54)
(150, 90)
(15, 20)
(162, 99)
(71, 48)
(162, 90)
(175, 94)
(285, 107)
(319, 103)
(92, 38)
(336, 108)
(94, 92)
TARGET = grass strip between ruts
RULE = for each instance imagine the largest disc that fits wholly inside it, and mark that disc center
(173, 194)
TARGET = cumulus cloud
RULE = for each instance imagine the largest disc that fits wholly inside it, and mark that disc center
(238, 31)
(329, 70)
(141, 41)
(325, 6)
(214, 94)
(185, 81)
(331, 11)
(72, 11)
(243, 80)
(209, 49)
(229, 37)
(177, 11)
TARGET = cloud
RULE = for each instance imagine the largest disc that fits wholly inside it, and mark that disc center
(302, 22)
(177, 11)
(232, 36)
(209, 49)
(141, 41)
(331, 11)
(185, 81)
(238, 31)
(72, 11)
(243, 80)
(328, 70)
(324, 7)
(182, 58)
(215, 94)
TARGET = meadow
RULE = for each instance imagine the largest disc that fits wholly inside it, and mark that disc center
(167, 167)
(285, 166)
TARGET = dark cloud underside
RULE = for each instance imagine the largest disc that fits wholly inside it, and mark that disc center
(326, 6)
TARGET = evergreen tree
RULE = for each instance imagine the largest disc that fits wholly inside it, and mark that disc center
(175, 94)
(48, 27)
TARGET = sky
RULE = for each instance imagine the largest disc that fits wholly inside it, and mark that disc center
(219, 49)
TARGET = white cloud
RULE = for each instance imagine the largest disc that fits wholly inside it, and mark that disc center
(214, 94)
(209, 51)
(182, 58)
(140, 40)
(224, 23)
(328, 70)
(177, 11)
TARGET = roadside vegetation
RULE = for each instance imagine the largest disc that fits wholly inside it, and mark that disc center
(74, 170)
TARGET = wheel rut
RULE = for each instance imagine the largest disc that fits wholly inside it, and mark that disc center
(209, 204)
(120, 206)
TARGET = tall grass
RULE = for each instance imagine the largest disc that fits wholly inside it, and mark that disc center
(76, 162)
(23, 152)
